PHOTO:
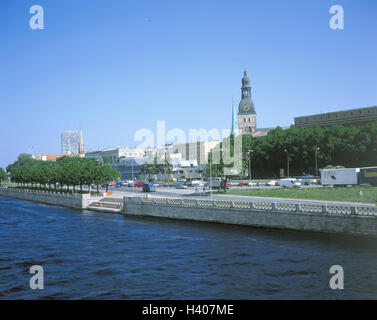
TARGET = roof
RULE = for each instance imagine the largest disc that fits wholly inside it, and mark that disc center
(259, 134)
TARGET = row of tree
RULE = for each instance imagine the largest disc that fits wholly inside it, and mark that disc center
(68, 171)
(307, 150)
(3, 175)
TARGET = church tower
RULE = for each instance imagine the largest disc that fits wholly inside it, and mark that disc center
(247, 118)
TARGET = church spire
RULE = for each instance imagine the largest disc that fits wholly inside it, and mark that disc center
(234, 130)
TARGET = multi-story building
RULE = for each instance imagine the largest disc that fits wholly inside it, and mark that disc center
(193, 150)
(353, 117)
(115, 154)
(130, 168)
(72, 143)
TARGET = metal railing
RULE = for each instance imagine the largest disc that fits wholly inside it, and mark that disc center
(275, 206)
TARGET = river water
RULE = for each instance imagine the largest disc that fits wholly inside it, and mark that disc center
(91, 255)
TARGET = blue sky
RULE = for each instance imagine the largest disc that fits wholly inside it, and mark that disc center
(112, 67)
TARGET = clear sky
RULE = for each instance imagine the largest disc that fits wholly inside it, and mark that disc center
(112, 67)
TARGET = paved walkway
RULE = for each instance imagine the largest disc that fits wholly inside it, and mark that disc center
(190, 193)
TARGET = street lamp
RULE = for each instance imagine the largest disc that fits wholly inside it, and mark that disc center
(249, 153)
(132, 171)
(285, 150)
(210, 173)
(316, 161)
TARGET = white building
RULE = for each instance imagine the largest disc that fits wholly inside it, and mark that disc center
(114, 154)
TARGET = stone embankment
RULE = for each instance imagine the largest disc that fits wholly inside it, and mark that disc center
(346, 219)
(69, 200)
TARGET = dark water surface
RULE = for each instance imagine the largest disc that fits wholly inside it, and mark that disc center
(107, 256)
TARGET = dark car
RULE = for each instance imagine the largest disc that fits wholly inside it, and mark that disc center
(148, 187)
(119, 184)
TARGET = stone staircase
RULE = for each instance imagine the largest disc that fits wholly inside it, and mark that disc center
(113, 205)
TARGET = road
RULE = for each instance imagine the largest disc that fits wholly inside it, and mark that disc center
(166, 192)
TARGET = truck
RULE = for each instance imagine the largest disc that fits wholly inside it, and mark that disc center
(339, 177)
(368, 176)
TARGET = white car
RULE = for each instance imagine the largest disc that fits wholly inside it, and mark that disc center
(271, 183)
(290, 183)
(252, 183)
(197, 183)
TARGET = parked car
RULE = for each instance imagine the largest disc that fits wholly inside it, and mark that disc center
(138, 183)
(197, 183)
(261, 183)
(112, 184)
(232, 183)
(290, 183)
(244, 184)
(180, 186)
(277, 183)
(148, 187)
(119, 184)
(271, 183)
(252, 183)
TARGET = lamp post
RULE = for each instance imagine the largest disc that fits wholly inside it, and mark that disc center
(132, 172)
(316, 161)
(250, 152)
(210, 173)
(285, 150)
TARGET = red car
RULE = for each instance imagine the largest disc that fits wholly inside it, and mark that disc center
(244, 184)
(138, 184)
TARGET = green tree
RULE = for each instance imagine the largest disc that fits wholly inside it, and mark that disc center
(3, 175)
(109, 174)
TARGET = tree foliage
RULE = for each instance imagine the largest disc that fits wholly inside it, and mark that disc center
(338, 146)
(69, 171)
(3, 175)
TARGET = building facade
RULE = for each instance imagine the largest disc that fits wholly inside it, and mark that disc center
(353, 117)
(194, 150)
(115, 154)
(247, 118)
(72, 143)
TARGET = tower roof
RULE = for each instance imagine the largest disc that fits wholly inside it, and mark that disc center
(246, 105)
(245, 80)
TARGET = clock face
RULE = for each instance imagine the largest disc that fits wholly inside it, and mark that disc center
(246, 108)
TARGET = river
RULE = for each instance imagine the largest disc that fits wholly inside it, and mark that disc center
(92, 255)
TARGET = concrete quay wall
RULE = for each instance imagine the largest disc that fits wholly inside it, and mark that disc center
(75, 200)
(344, 219)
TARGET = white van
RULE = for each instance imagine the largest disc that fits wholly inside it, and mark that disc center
(290, 183)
